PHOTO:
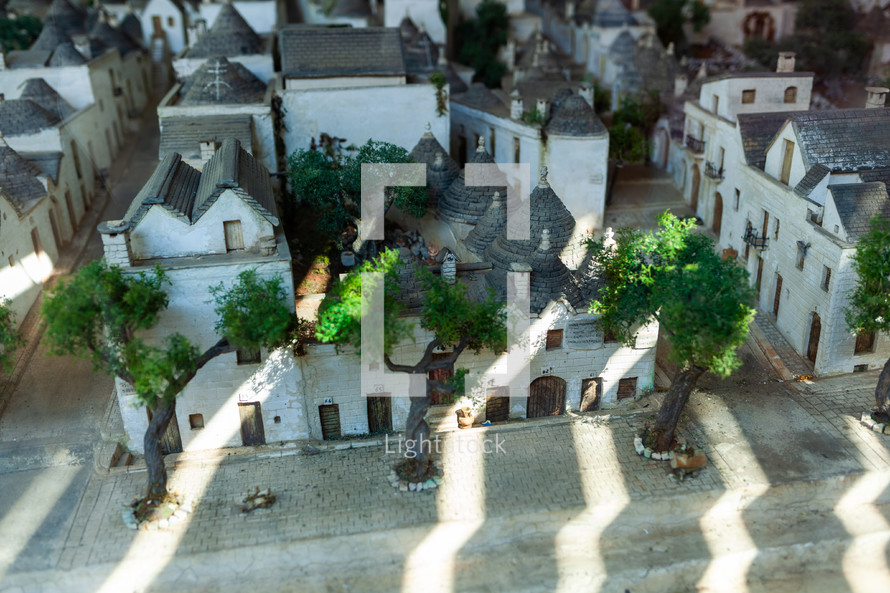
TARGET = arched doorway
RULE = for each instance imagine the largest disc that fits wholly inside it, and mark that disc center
(693, 195)
(815, 333)
(717, 223)
(663, 145)
(546, 397)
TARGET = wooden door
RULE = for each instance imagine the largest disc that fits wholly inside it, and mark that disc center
(627, 387)
(778, 295)
(252, 432)
(718, 214)
(157, 27)
(234, 237)
(330, 421)
(759, 276)
(815, 331)
(55, 228)
(765, 223)
(497, 404)
(696, 182)
(547, 397)
(171, 441)
(442, 375)
(379, 413)
(591, 393)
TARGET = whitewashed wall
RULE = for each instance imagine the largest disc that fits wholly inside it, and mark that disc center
(166, 10)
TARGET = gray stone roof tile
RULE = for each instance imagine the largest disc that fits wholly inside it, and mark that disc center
(858, 203)
(230, 35)
(480, 95)
(317, 52)
(184, 135)
(492, 224)
(441, 170)
(38, 91)
(18, 179)
(23, 116)
(219, 81)
(50, 37)
(575, 117)
(550, 279)
(66, 16)
(812, 178)
(65, 54)
(467, 204)
(108, 36)
(47, 162)
(758, 131)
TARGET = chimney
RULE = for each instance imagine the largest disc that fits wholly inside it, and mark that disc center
(510, 52)
(2, 58)
(680, 83)
(875, 97)
(570, 9)
(82, 45)
(586, 92)
(200, 27)
(116, 241)
(669, 50)
(516, 106)
(480, 145)
(449, 266)
(543, 107)
(544, 245)
(542, 180)
(786, 61)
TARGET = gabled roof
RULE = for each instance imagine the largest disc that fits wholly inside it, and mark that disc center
(188, 193)
(813, 177)
(132, 27)
(219, 81)
(108, 36)
(66, 54)
(480, 95)
(185, 134)
(317, 52)
(38, 91)
(758, 131)
(47, 162)
(230, 35)
(23, 116)
(50, 37)
(18, 179)
(858, 203)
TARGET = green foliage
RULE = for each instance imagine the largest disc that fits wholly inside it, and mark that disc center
(631, 125)
(458, 383)
(19, 33)
(671, 15)
(481, 40)
(10, 337)
(869, 308)
(447, 311)
(702, 302)
(329, 181)
(823, 41)
(533, 117)
(602, 99)
(438, 80)
(97, 313)
(251, 314)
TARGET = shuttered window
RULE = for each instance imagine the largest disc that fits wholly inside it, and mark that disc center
(554, 338)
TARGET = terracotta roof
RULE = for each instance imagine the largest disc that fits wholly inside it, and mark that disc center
(317, 52)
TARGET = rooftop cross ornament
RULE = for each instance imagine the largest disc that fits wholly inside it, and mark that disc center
(216, 70)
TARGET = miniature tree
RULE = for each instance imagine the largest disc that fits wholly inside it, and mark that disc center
(328, 179)
(99, 312)
(700, 301)
(670, 16)
(481, 40)
(869, 309)
(455, 320)
(10, 337)
(19, 33)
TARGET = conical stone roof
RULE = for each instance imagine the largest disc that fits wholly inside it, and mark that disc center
(550, 278)
(441, 170)
(492, 224)
(132, 27)
(65, 54)
(575, 117)
(467, 204)
(111, 37)
(68, 18)
(546, 210)
(219, 81)
(38, 91)
(230, 35)
(50, 37)
(18, 178)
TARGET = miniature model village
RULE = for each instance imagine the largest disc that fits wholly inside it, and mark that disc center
(228, 301)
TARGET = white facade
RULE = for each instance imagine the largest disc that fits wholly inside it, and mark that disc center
(166, 18)
(424, 13)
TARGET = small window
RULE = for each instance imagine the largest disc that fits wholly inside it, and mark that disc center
(515, 150)
(35, 241)
(748, 96)
(627, 388)
(11, 261)
(786, 162)
(234, 237)
(826, 278)
(76, 158)
(865, 343)
(248, 356)
(196, 421)
(169, 21)
(801, 253)
(716, 103)
(491, 133)
(791, 94)
(554, 339)
(738, 198)
(776, 232)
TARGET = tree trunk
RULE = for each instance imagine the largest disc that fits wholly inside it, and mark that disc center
(417, 433)
(674, 402)
(154, 461)
(882, 393)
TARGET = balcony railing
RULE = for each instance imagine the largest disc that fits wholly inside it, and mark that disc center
(694, 144)
(713, 172)
(753, 239)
